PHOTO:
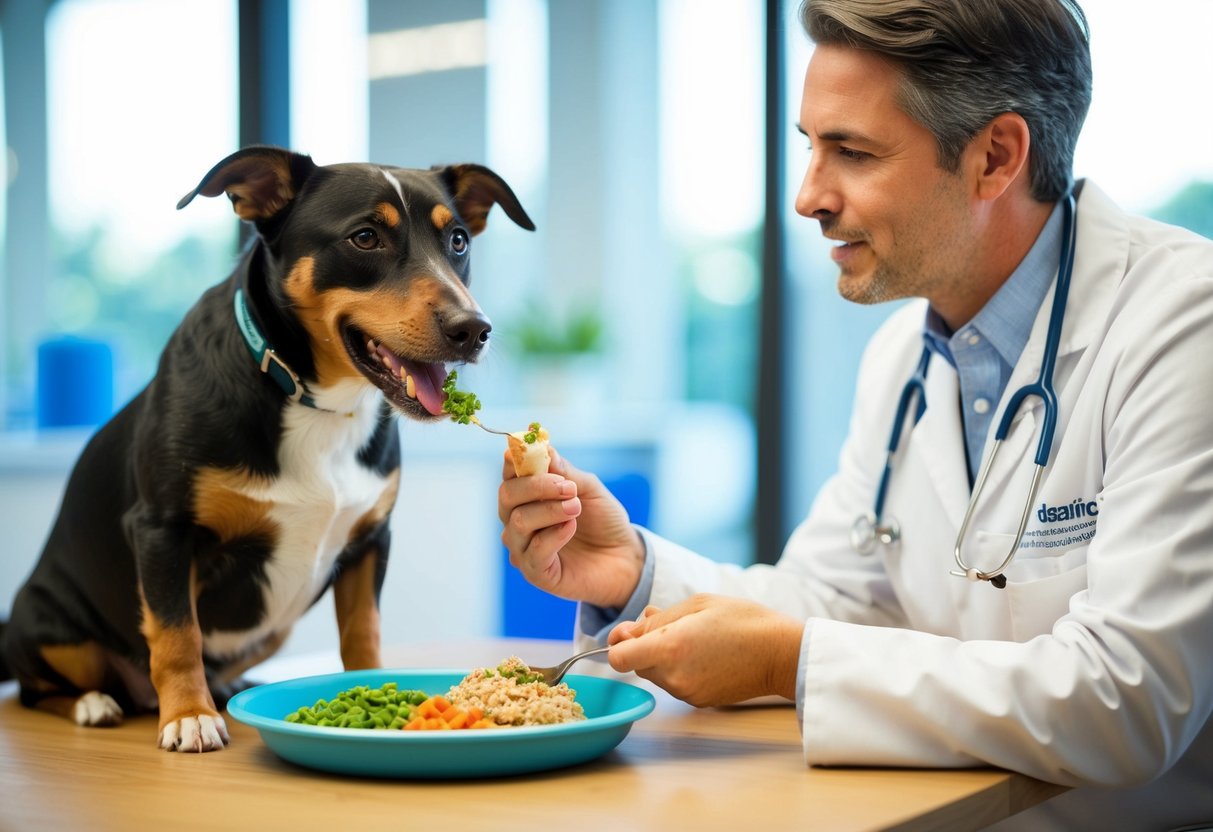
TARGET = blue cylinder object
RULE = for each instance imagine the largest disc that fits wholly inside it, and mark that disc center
(75, 382)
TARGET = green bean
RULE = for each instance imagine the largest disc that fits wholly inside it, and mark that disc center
(362, 707)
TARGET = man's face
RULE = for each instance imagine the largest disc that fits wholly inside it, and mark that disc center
(874, 183)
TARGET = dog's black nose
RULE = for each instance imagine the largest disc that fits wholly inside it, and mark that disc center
(468, 332)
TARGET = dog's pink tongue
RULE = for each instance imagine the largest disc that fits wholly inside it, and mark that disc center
(428, 383)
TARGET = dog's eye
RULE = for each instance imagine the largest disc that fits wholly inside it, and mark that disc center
(459, 242)
(365, 239)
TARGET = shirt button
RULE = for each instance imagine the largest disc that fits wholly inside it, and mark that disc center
(973, 338)
(981, 406)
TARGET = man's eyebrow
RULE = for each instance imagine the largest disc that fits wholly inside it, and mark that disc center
(841, 136)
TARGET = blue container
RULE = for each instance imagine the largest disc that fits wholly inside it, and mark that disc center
(75, 382)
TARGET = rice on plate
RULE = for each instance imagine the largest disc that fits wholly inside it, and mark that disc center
(512, 695)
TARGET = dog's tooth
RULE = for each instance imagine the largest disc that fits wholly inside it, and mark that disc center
(410, 387)
(370, 346)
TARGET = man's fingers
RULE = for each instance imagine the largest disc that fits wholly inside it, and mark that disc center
(518, 492)
(538, 558)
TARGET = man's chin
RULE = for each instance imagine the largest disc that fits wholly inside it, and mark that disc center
(861, 288)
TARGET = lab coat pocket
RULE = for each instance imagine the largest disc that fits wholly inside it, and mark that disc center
(1039, 588)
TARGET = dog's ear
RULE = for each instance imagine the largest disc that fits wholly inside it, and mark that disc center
(475, 190)
(260, 181)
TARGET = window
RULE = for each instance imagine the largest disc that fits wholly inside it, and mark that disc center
(140, 101)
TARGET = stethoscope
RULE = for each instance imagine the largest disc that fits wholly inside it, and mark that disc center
(873, 526)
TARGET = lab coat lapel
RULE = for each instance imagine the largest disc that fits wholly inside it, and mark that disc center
(1098, 263)
(937, 443)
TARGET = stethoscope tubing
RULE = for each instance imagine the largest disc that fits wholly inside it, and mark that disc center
(873, 526)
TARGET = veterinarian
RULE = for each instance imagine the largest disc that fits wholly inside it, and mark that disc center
(1046, 607)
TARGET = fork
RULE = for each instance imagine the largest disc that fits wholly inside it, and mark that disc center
(483, 426)
(553, 675)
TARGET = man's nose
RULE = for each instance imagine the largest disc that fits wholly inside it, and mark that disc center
(818, 197)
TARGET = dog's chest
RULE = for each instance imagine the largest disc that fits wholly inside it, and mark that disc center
(322, 494)
(321, 497)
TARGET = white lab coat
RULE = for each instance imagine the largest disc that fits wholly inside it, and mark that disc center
(1094, 667)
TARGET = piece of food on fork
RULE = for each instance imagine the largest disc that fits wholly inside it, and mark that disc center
(529, 449)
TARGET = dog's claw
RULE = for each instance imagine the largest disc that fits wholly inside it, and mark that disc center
(96, 709)
(195, 734)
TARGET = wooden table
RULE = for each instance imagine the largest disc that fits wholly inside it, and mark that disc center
(680, 768)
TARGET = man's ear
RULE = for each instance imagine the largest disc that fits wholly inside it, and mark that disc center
(999, 154)
(259, 180)
(475, 189)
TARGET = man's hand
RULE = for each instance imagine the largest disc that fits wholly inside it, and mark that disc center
(568, 535)
(712, 650)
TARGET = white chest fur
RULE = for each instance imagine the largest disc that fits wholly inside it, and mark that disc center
(321, 493)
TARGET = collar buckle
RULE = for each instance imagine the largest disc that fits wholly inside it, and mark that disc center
(295, 393)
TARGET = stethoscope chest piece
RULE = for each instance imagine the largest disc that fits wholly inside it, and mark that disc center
(865, 532)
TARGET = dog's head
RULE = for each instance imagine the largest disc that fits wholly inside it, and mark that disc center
(371, 262)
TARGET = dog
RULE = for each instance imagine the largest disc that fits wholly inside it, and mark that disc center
(261, 463)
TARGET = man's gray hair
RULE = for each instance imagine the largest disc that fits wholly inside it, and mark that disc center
(963, 62)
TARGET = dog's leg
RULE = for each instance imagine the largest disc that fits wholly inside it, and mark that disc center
(168, 585)
(86, 667)
(360, 573)
(189, 720)
(356, 599)
(93, 709)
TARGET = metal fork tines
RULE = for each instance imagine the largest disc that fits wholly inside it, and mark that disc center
(553, 675)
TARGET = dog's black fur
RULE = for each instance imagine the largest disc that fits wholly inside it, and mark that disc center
(213, 509)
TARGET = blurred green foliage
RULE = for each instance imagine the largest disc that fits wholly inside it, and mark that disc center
(545, 333)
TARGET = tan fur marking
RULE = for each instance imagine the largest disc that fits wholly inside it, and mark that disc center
(388, 214)
(84, 665)
(220, 505)
(176, 668)
(358, 613)
(404, 321)
(440, 216)
(64, 706)
(252, 200)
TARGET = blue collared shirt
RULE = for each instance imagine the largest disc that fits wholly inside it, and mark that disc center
(984, 350)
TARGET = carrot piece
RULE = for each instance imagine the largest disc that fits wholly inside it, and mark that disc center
(437, 713)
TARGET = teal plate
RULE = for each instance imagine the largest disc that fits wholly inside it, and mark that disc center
(610, 708)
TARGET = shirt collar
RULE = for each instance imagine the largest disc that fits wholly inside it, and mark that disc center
(1006, 319)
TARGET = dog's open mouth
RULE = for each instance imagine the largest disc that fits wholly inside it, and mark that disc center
(414, 387)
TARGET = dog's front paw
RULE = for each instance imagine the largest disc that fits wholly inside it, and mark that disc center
(96, 710)
(198, 733)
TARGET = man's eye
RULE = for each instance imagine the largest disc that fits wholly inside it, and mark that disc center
(853, 155)
(365, 239)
